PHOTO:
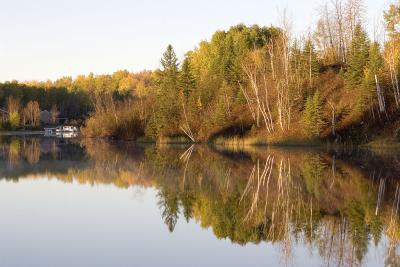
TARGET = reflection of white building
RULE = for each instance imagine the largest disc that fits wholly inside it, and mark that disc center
(67, 134)
(62, 131)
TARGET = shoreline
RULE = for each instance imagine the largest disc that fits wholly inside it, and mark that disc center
(241, 145)
(21, 133)
(374, 145)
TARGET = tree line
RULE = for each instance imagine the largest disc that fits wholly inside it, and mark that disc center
(68, 98)
(251, 82)
(264, 82)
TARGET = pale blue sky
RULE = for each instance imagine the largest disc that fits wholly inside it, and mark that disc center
(48, 39)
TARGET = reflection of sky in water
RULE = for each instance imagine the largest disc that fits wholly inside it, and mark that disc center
(50, 223)
(55, 224)
(101, 204)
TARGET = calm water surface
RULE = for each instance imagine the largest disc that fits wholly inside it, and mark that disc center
(91, 203)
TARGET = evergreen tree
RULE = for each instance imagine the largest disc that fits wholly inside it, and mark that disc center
(308, 116)
(312, 115)
(374, 67)
(167, 115)
(357, 57)
(169, 62)
(187, 79)
(318, 116)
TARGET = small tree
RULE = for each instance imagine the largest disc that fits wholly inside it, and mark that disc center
(312, 115)
(14, 120)
(13, 108)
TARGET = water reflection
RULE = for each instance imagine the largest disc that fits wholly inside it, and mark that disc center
(340, 203)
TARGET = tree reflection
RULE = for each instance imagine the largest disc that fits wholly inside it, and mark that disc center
(169, 205)
(31, 150)
(328, 201)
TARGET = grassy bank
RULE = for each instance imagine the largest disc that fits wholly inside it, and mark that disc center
(265, 141)
(165, 140)
(383, 143)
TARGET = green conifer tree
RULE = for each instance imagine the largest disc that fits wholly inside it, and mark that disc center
(318, 116)
(373, 67)
(357, 57)
(312, 115)
(168, 112)
(308, 116)
(187, 79)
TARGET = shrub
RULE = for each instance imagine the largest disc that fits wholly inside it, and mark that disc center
(14, 120)
(122, 120)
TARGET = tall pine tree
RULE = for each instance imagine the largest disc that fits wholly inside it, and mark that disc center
(165, 121)
(187, 79)
(357, 57)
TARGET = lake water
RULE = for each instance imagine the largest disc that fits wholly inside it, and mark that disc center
(91, 203)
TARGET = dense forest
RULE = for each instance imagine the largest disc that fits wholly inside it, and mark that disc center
(66, 97)
(249, 84)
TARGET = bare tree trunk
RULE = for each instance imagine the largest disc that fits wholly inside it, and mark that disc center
(328, 25)
(256, 75)
(186, 127)
(271, 56)
(333, 118)
(381, 99)
(338, 5)
(248, 101)
(284, 101)
(310, 64)
(393, 69)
